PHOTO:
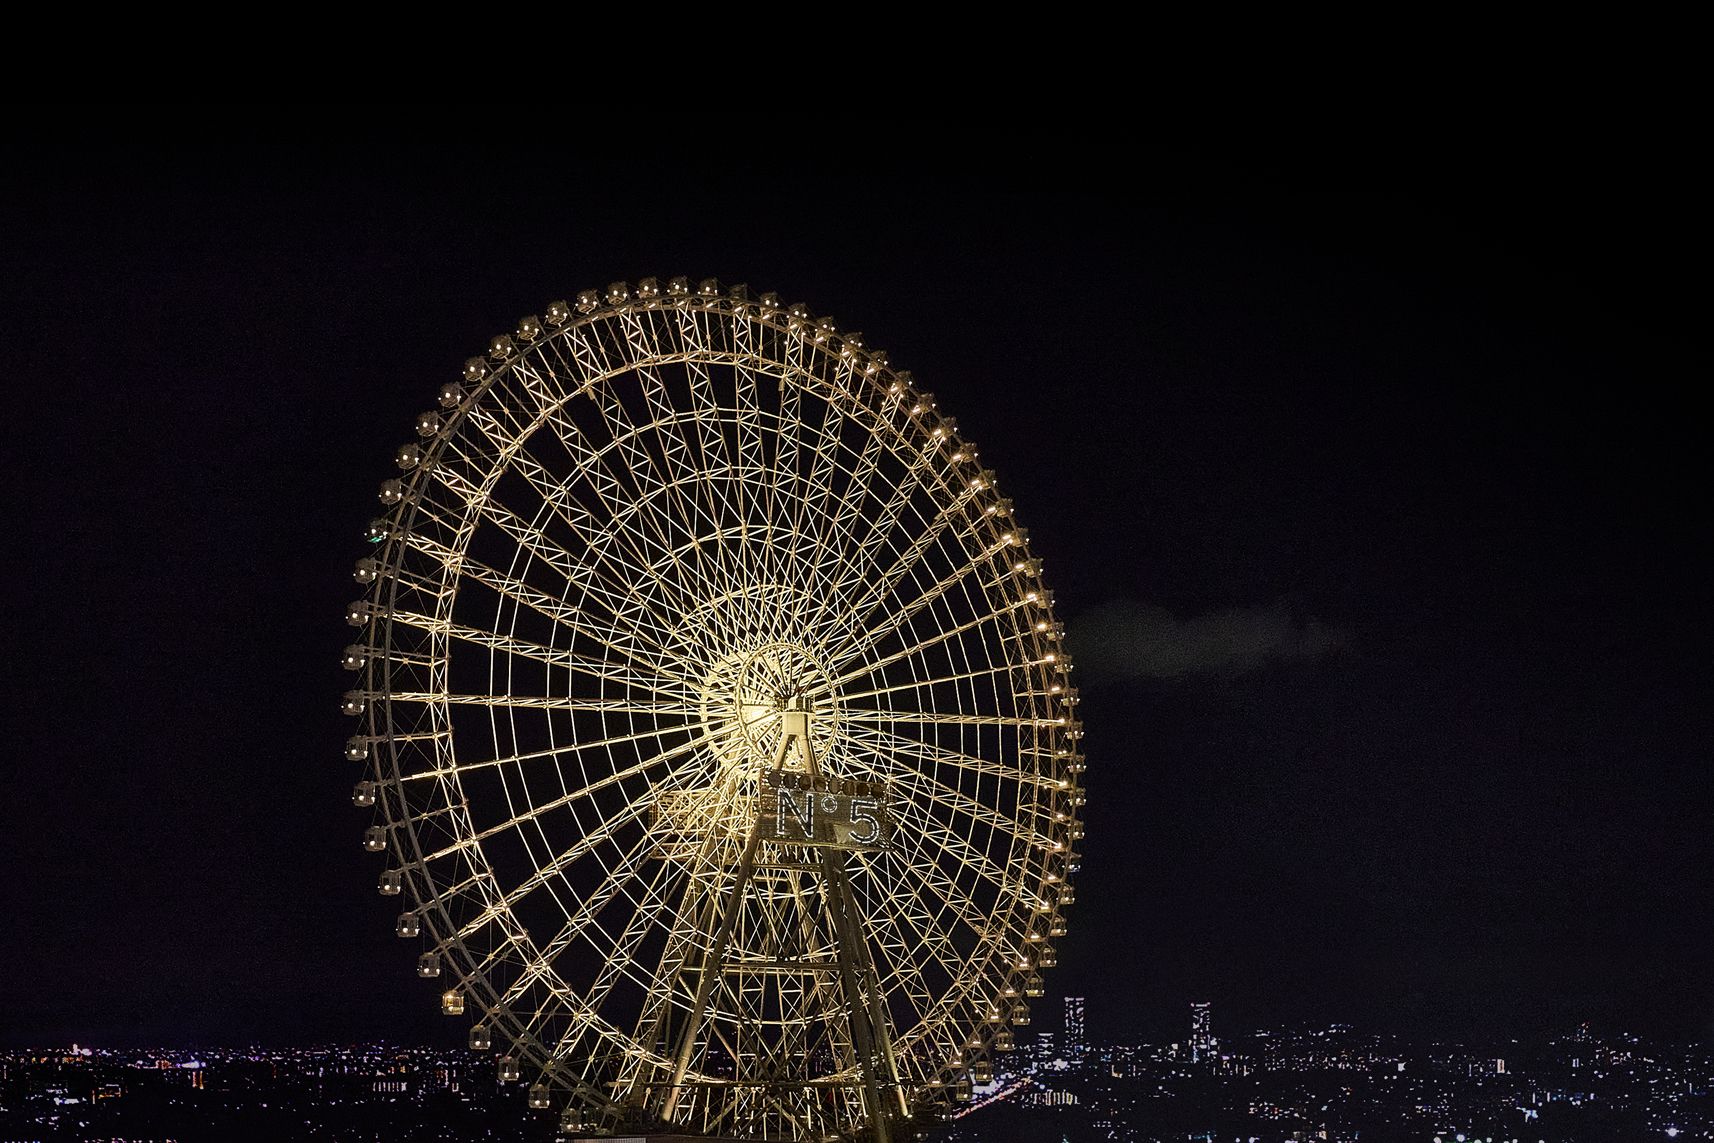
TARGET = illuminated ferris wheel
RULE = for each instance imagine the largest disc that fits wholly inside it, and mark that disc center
(716, 724)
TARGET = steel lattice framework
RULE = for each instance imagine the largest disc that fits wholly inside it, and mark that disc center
(671, 571)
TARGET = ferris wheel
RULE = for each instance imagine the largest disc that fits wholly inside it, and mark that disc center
(716, 724)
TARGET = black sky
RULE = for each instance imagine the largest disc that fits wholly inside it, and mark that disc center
(1370, 478)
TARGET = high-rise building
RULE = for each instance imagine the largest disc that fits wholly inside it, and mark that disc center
(1202, 1043)
(1075, 1041)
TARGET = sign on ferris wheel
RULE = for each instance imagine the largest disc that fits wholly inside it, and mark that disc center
(801, 809)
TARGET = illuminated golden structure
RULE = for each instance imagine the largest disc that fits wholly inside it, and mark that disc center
(715, 723)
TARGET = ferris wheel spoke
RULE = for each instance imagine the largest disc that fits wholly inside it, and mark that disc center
(882, 745)
(679, 458)
(689, 556)
(922, 481)
(852, 625)
(936, 895)
(992, 674)
(941, 894)
(712, 424)
(860, 562)
(717, 473)
(900, 613)
(586, 844)
(820, 558)
(601, 745)
(549, 702)
(632, 544)
(808, 496)
(624, 609)
(934, 718)
(446, 896)
(814, 504)
(943, 635)
(669, 993)
(956, 846)
(837, 536)
(592, 465)
(746, 404)
(612, 485)
(1002, 878)
(753, 474)
(728, 485)
(637, 461)
(621, 953)
(511, 823)
(551, 656)
(909, 928)
(710, 414)
(617, 953)
(550, 608)
(540, 969)
(782, 509)
(556, 1003)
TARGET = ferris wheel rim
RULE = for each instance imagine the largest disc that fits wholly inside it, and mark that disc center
(868, 732)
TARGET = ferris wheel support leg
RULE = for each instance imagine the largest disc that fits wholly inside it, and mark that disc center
(869, 1036)
(868, 1025)
(713, 961)
(711, 968)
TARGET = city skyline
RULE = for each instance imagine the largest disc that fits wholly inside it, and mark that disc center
(1193, 1035)
(1372, 504)
(1333, 1082)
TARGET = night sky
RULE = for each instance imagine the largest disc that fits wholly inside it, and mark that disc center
(1368, 476)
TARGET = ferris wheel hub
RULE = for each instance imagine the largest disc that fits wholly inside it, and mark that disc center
(753, 697)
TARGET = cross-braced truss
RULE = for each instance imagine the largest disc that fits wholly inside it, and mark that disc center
(660, 556)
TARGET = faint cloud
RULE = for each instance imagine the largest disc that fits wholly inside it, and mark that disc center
(1126, 639)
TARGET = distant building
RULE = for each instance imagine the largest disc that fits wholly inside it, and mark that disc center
(1048, 1097)
(1076, 1041)
(1203, 1046)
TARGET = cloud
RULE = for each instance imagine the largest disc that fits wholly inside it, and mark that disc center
(1126, 639)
